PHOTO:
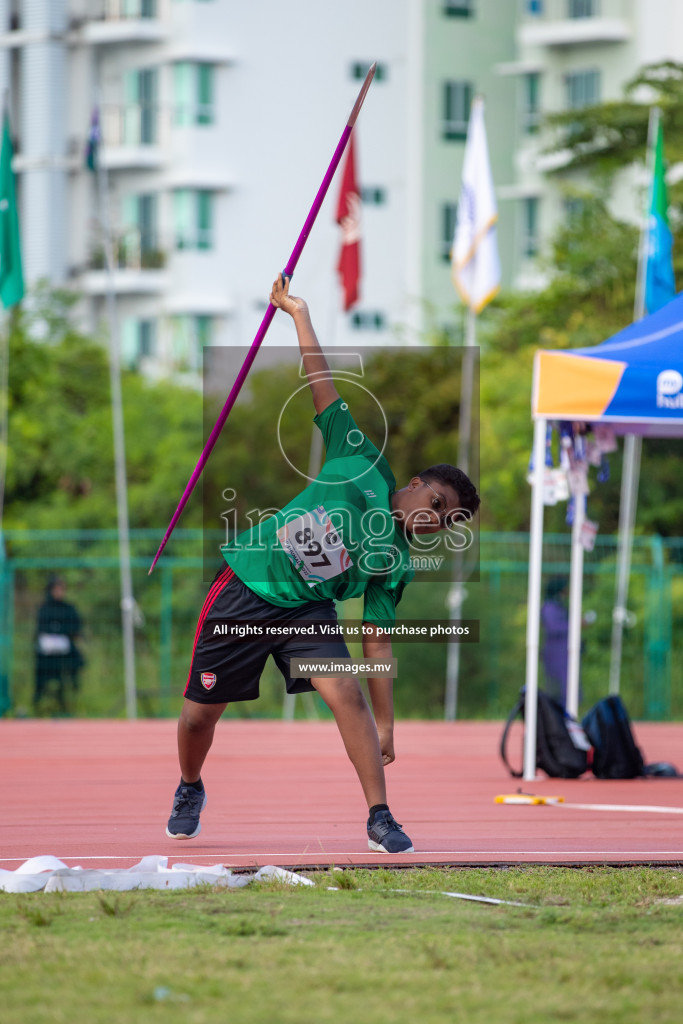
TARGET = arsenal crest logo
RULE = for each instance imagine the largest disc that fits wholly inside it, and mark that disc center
(208, 680)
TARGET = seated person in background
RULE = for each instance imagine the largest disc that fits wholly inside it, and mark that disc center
(57, 656)
(555, 623)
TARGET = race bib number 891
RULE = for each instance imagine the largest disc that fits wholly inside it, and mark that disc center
(314, 547)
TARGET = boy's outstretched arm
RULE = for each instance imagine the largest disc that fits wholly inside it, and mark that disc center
(318, 372)
(381, 692)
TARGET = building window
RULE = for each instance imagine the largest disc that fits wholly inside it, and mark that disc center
(203, 327)
(193, 219)
(457, 100)
(373, 195)
(189, 336)
(583, 89)
(140, 112)
(193, 93)
(131, 9)
(137, 245)
(458, 8)
(531, 113)
(530, 227)
(147, 338)
(138, 341)
(534, 8)
(582, 8)
(368, 321)
(449, 218)
(360, 69)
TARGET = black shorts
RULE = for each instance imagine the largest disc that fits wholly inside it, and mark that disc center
(227, 667)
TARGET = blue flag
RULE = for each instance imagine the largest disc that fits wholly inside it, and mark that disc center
(94, 139)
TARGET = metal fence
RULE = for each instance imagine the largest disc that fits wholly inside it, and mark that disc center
(491, 672)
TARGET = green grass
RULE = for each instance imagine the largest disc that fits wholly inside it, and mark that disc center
(597, 945)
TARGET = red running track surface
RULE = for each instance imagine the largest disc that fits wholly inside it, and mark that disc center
(98, 794)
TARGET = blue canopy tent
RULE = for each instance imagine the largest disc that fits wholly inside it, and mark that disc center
(634, 382)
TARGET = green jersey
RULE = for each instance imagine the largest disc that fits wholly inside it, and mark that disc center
(335, 540)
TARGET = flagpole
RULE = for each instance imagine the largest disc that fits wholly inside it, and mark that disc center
(633, 445)
(476, 276)
(127, 599)
(456, 594)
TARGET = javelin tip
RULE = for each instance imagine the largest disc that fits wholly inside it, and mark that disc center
(156, 557)
(361, 95)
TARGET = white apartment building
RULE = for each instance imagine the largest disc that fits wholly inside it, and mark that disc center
(218, 121)
(571, 54)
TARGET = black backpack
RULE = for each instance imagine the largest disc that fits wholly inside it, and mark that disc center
(561, 744)
(615, 754)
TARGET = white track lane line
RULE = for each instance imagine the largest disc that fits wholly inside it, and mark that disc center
(632, 808)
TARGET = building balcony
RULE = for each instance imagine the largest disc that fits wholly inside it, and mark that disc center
(198, 303)
(566, 23)
(123, 21)
(111, 22)
(124, 282)
(139, 267)
(134, 136)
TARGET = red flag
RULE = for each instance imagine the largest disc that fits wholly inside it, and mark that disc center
(348, 217)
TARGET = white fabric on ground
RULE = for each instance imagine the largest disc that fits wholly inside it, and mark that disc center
(52, 875)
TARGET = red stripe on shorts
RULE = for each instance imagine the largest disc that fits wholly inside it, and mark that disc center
(217, 587)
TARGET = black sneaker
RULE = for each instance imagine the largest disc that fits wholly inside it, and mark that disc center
(386, 835)
(188, 804)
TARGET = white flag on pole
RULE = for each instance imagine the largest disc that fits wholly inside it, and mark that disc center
(475, 260)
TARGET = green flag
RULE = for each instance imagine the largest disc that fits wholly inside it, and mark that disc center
(660, 286)
(11, 276)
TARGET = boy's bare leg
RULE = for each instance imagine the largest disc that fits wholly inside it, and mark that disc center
(196, 727)
(352, 714)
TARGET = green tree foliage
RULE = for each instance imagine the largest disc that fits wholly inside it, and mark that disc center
(60, 471)
(604, 140)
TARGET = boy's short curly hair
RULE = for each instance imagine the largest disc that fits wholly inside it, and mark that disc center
(453, 477)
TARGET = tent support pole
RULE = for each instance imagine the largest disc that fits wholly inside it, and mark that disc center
(627, 515)
(575, 595)
(533, 623)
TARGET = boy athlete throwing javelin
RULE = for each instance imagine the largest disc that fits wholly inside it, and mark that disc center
(346, 534)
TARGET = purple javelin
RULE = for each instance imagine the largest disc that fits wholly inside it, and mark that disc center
(270, 312)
